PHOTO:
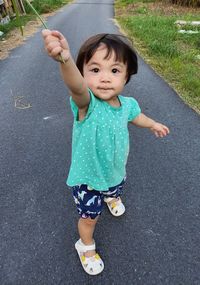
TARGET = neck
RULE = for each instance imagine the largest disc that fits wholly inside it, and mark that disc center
(114, 102)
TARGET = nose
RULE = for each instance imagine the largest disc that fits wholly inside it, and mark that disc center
(105, 77)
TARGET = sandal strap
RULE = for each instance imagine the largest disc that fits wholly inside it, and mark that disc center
(107, 200)
(85, 248)
(89, 247)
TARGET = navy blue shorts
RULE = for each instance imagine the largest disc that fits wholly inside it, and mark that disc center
(90, 202)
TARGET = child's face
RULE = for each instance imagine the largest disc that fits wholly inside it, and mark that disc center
(106, 77)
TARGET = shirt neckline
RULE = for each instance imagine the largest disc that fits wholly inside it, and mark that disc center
(112, 107)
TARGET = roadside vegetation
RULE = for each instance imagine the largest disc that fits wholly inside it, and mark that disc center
(151, 26)
(42, 6)
(46, 6)
(175, 55)
(14, 23)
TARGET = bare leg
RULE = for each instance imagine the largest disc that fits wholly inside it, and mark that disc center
(86, 229)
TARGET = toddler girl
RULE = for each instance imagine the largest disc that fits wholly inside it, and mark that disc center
(100, 143)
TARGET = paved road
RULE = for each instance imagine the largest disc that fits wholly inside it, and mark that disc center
(157, 240)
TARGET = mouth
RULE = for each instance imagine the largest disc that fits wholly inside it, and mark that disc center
(104, 88)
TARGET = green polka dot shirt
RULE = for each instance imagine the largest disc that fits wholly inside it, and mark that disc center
(100, 143)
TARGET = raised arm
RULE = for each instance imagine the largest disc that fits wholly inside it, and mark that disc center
(56, 46)
(158, 129)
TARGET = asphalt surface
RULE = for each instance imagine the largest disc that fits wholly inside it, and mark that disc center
(157, 240)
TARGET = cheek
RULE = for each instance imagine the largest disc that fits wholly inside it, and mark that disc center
(126, 77)
(123, 80)
(89, 81)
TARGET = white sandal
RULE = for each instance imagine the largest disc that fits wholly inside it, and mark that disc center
(92, 265)
(116, 207)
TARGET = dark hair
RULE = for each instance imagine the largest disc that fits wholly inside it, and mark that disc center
(122, 49)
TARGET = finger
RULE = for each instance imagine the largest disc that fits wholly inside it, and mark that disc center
(64, 44)
(61, 38)
(161, 135)
(56, 51)
(166, 129)
(51, 38)
(50, 42)
(58, 35)
(46, 33)
(51, 45)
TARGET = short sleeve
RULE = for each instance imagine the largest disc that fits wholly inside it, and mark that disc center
(134, 109)
(92, 104)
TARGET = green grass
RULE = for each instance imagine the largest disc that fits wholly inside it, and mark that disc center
(45, 6)
(14, 23)
(42, 6)
(172, 54)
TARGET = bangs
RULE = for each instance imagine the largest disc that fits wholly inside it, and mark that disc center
(112, 47)
(117, 44)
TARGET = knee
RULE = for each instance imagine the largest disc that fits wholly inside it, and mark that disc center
(89, 221)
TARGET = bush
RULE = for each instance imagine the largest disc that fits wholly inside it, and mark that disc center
(44, 6)
(189, 3)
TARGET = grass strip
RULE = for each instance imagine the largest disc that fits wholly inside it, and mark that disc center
(174, 55)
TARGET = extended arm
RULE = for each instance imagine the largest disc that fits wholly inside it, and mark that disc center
(158, 129)
(56, 45)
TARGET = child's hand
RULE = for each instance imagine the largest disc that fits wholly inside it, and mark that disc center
(56, 45)
(159, 130)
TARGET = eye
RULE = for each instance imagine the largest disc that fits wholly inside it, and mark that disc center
(115, 70)
(95, 70)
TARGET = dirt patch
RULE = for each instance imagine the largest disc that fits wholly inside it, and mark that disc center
(164, 8)
(159, 8)
(14, 38)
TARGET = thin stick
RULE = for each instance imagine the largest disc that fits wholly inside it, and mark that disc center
(31, 6)
(42, 21)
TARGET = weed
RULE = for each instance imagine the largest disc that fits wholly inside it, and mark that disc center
(172, 54)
